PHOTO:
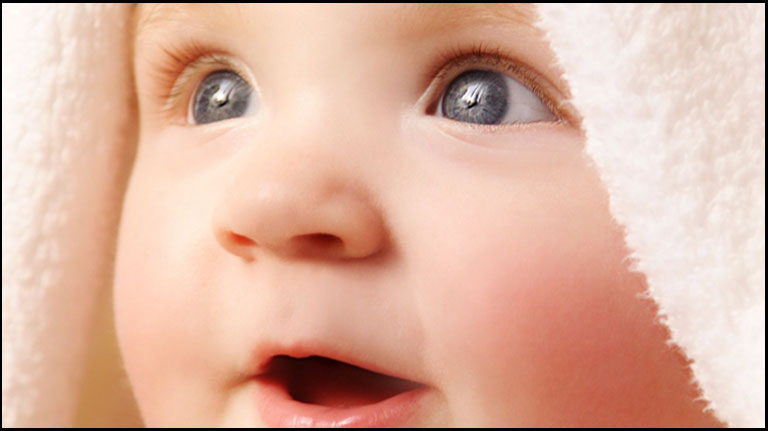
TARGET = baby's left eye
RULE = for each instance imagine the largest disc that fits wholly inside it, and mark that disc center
(220, 96)
(490, 97)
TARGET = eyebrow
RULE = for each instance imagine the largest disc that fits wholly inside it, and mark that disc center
(413, 20)
(149, 16)
(432, 18)
(152, 15)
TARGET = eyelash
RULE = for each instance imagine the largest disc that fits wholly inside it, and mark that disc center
(454, 60)
(180, 63)
(178, 67)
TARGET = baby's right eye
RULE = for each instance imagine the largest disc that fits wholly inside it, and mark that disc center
(490, 97)
(221, 95)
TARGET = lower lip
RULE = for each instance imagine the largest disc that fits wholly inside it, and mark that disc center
(278, 410)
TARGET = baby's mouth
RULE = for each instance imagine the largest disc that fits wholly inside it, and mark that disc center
(328, 382)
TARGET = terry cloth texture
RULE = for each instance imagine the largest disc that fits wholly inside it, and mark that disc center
(673, 100)
(66, 103)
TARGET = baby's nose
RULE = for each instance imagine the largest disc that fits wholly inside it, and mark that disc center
(299, 207)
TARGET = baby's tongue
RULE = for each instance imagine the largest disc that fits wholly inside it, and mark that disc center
(326, 382)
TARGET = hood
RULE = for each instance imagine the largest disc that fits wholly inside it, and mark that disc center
(673, 105)
(673, 100)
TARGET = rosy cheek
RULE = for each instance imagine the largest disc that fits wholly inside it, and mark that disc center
(562, 336)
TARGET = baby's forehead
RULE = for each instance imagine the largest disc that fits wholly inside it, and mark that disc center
(426, 18)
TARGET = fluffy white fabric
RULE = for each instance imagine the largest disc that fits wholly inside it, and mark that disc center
(673, 98)
(674, 102)
(66, 93)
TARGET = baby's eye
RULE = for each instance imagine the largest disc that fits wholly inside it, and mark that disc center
(490, 97)
(220, 96)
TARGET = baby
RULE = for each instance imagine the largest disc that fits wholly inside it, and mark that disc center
(375, 215)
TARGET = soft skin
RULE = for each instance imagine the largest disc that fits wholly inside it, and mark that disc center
(482, 261)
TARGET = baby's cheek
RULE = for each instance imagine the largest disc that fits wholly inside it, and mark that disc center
(162, 328)
(553, 333)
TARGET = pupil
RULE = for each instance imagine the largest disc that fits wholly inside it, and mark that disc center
(476, 96)
(222, 95)
(472, 95)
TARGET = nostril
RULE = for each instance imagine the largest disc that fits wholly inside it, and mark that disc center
(322, 239)
(318, 244)
(241, 240)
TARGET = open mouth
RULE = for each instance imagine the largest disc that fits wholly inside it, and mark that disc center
(326, 382)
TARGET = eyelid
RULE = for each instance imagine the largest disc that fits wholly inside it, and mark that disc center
(455, 61)
(188, 64)
(210, 63)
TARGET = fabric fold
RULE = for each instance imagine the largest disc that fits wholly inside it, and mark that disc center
(66, 155)
(673, 100)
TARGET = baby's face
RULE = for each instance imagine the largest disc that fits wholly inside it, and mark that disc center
(399, 187)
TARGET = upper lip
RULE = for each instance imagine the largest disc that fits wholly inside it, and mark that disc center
(265, 352)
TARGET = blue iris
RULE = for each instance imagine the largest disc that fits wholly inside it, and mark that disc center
(221, 95)
(476, 96)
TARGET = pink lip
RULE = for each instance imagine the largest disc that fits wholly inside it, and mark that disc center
(278, 409)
